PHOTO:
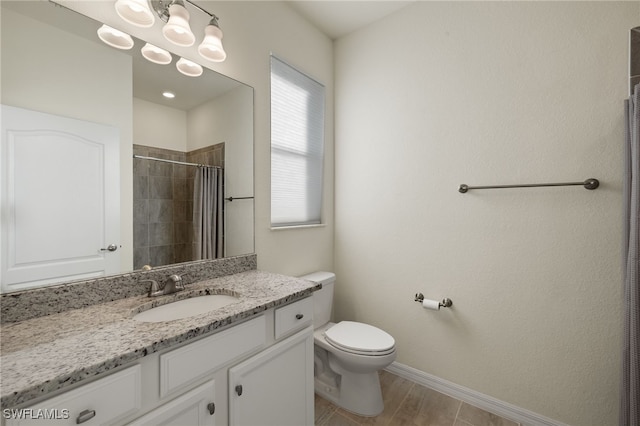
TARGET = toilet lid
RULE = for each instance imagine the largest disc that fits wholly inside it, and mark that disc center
(358, 337)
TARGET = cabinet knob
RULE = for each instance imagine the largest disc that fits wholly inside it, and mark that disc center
(211, 407)
(239, 390)
(85, 415)
(299, 316)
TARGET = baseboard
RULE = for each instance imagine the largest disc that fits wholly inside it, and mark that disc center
(477, 399)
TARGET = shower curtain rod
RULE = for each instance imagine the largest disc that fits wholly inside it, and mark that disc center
(175, 162)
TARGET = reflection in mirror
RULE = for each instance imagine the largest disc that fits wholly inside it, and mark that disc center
(54, 63)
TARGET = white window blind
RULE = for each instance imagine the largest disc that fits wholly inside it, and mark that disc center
(297, 146)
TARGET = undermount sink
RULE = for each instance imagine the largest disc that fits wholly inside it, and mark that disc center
(186, 308)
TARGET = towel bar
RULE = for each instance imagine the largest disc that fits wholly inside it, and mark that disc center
(590, 183)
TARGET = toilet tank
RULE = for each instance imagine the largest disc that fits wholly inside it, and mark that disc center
(323, 298)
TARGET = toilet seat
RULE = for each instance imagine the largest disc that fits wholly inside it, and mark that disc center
(361, 339)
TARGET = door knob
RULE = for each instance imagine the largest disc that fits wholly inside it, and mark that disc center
(110, 247)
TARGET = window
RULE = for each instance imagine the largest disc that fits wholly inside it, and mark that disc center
(297, 146)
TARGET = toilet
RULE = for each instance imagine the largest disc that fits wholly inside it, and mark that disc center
(348, 355)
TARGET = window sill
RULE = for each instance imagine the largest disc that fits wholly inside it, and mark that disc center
(283, 228)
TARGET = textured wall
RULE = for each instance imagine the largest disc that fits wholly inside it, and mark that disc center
(444, 93)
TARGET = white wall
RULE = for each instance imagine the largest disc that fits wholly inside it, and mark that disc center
(445, 93)
(252, 30)
(159, 126)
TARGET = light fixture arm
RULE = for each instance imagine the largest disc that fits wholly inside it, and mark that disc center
(161, 8)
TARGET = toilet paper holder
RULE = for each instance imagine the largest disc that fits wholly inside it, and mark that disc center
(445, 303)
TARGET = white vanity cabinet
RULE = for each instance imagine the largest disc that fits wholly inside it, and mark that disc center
(274, 387)
(101, 402)
(196, 407)
(269, 356)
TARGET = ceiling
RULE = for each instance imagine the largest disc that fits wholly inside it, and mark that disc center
(339, 18)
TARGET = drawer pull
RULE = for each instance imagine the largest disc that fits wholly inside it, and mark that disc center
(299, 316)
(85, 415)
(211, 407)
(239, 390)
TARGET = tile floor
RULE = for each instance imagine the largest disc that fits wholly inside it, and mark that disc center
(408, 403)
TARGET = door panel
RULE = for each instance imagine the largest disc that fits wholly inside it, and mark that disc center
(60, 199)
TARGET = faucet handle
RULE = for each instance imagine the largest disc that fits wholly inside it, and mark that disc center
(177, 280)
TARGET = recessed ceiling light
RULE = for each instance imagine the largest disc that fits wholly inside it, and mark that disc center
(169, 95)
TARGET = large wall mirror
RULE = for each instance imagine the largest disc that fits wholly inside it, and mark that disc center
(54, 67)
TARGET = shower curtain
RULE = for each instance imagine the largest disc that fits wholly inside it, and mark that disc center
(208, 219)
(630, 392)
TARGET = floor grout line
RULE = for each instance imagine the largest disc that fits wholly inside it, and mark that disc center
(406, 395)
(455, 419)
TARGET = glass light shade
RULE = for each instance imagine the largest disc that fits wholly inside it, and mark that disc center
(115, 38)
(155, 54)
(177, 29)
(189, 68)
(211, 47)
(135, 12)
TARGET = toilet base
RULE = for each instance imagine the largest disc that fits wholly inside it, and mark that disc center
(357, 393)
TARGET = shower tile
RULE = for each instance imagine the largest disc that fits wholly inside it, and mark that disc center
(183, 252)
(160, 211)
(140, 211)
(140, 167)
(140, 235)
(160, 187)
(140, 257)
(180, 171)
(180, 189)
(158, 168)
(161, 255)
(182, 211)
(160, 234)
(183, 232)
(140, 187)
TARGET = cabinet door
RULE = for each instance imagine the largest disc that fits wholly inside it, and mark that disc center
(195, 408)
(274, 387)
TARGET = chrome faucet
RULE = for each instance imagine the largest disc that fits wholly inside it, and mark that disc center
(174, 284)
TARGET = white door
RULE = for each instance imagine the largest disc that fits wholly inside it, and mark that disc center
(274, 387)
(60, 197)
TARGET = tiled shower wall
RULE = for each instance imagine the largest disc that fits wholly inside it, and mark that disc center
(163, 203)
(634, 58)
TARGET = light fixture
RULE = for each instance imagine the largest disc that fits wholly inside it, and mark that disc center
(189, 68)
(155, 54)
(135, 12)
(169, 95)
(115, 38)
(177, 29)
(211, 47)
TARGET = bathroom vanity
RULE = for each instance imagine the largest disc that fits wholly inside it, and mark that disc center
(249, 362)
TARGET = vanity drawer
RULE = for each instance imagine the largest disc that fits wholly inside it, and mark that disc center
(293, 317)
(98, 403)
(189, 363)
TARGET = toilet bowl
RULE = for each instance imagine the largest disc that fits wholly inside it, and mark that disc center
(348, 355)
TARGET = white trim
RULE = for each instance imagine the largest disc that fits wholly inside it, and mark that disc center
(284, 228)
(477, 399)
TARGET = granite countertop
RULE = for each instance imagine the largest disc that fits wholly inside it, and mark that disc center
(47, 353)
